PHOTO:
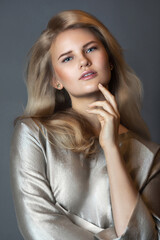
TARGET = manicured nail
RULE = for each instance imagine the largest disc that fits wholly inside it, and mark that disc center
(100, 85)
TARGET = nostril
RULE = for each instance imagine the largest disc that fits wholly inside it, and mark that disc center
(85, 62)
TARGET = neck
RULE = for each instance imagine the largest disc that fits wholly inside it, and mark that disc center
(80, 105)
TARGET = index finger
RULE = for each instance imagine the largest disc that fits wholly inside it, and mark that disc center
(108, 96)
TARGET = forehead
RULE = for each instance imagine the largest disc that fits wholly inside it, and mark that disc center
(71, 39)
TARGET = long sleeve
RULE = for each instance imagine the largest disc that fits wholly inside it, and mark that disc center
(37, 214)
(144, 223)
(56, 199)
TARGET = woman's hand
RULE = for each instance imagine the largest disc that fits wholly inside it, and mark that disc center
(109, 117)
(122, 190)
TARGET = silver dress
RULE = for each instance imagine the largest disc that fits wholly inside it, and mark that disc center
(58, 195)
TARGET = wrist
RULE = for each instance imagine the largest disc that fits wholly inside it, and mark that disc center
(109, 146)
(109, 149)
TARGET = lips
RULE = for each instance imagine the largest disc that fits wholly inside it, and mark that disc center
(88, 74)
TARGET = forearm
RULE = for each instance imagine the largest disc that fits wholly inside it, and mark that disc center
(122, 190)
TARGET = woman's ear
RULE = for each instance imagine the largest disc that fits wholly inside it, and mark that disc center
(56, 84)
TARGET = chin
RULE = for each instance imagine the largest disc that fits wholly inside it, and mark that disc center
(92, 89)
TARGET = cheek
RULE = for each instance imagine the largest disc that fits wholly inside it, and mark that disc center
(105, 61)
(62, 74)
(104, 65)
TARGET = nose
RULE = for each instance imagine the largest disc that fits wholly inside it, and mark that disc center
(84, 61)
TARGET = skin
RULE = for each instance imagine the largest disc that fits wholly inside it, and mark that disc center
(70, 67)
(74, 52)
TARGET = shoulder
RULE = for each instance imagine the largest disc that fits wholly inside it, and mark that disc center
(27, 152)
(28, 126)
(27, 145)
(142, 157)
(136, 142)
(28, 131)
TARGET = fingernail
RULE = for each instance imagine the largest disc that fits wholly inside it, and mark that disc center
(100, 85)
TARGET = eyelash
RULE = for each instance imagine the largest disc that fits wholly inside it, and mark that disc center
(93, 48)
(67, 59)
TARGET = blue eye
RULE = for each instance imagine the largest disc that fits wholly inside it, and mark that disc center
(67, 59)
(91, 49)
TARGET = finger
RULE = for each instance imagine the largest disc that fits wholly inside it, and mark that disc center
(101, 112)
(106, 106)
(103, 116)
(108, 96)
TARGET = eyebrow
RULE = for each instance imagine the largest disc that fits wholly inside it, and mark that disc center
(84, 46)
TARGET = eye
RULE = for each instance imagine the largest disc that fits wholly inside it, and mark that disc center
(91, 49)
(67, 59)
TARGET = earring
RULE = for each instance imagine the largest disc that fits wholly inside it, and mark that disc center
(111, 67)
(58, 85)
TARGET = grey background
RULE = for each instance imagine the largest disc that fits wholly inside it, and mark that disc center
(135, 24)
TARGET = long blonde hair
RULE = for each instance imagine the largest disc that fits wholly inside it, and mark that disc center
(47, 105)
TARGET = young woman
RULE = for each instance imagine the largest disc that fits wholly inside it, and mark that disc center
(82, 165)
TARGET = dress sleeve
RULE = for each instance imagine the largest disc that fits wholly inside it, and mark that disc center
(144, 223)
(38, 216)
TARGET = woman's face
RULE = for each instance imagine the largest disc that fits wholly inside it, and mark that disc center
(80, 62)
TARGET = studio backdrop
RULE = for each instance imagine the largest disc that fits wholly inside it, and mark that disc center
(136, 26)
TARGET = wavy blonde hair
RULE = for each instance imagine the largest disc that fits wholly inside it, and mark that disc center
(47, 105)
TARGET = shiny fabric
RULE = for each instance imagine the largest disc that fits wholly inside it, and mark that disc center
(58, 195)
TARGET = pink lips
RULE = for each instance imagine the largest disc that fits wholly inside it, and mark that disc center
(88, 75)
